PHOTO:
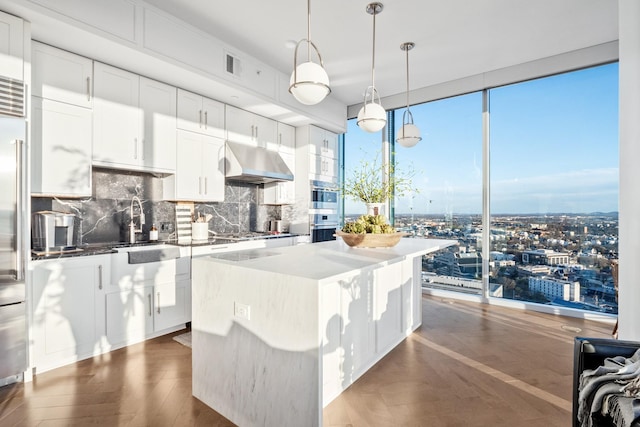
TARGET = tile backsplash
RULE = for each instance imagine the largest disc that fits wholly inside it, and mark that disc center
(105, 217)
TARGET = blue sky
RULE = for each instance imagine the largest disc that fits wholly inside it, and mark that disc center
(554, 148)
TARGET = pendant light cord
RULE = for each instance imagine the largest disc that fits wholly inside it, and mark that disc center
(308, 30)
(407, 52)
(373, 56)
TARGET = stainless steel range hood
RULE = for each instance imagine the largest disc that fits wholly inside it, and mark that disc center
(254, 164)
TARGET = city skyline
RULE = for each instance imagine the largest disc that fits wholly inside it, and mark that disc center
(554, 148)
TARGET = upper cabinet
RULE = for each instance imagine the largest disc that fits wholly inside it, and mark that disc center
(285, 140)
(200, 169)
(61, 123)
(282, 193)
(251, 129)
(199, 114)
(134, 121)
(61, 149)
(61, 76)
(317, 154)
(12, 41)
(158, 104)
(323, 143)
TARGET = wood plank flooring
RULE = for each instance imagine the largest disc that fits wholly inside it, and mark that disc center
(468, 365)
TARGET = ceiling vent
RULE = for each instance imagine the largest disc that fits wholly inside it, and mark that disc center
(232, 65)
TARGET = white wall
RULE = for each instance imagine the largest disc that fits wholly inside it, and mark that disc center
(629, 231)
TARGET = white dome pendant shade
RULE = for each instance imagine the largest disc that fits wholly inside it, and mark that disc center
(309, 82)
(372, 116)
(409, 134)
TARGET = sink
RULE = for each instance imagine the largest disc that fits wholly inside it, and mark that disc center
(135, 247)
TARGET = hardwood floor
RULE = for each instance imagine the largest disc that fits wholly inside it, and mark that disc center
(468, 365)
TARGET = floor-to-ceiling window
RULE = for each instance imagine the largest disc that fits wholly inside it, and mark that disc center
(448, 167)
(553, 191)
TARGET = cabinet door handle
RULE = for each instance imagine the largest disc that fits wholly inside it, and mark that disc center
(279, 140)
(200, 119)
(199, 185)
(206, 119)
(158, 302)
(100, 277)
(149, 297)
(135, 148)
(252, 131)
(88, 88)
(206, 190)
(256, 132)
(142, 148)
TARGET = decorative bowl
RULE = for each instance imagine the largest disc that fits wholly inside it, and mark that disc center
(369, 240)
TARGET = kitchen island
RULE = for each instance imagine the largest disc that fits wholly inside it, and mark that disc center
(280, 332)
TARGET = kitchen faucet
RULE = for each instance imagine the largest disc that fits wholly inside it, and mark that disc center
(132, 227)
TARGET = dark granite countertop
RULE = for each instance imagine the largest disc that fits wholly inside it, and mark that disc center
(110, 247)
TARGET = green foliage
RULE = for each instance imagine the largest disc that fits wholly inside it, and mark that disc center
(368, 185)
(374, 224)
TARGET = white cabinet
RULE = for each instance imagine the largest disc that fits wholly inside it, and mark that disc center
(363, 317)
(68, 311)
(11, 46)
(61, 150)
(137, 313)
(285, 139)
(199, 169)
(172, 304)
(251, 129)
(61, 76)
(323, 169)
(158, 104)
(147, 299)
(129, 315)
(134, 121)
(322, 142)
(199, 114)
(282, 193)
(117, 118)
(317, 154)
(62, 120)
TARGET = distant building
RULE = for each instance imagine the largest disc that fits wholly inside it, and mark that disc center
(545, 257)
(555, 288)
(534, 270)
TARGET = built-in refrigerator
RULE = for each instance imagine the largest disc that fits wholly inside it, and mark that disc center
(13, 205)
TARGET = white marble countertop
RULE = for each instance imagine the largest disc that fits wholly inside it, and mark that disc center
(327, 261)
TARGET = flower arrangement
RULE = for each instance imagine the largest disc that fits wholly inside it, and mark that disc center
(368, 185)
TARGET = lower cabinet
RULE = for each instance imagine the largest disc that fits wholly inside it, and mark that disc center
(363, 317)
(172, 305)
(67, 310)
(79, 310)
(134, 314)
(129, 315)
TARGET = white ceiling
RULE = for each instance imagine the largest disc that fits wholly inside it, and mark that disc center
(454, 38)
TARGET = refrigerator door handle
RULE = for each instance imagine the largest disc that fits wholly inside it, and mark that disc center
(21, 181)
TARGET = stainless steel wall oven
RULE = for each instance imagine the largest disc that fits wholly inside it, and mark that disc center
(323, 213)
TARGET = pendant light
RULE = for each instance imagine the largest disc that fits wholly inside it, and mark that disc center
(372, 116)
(409, 134)
(309, 82)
